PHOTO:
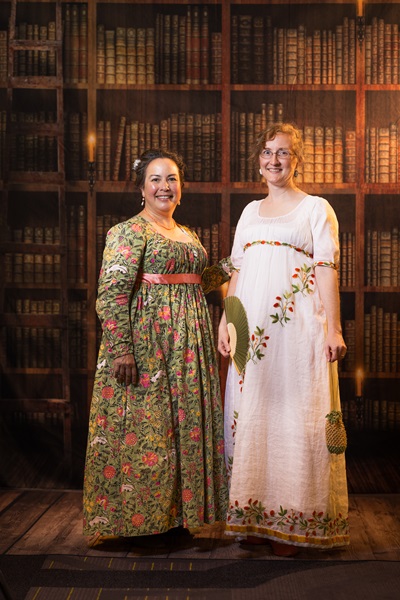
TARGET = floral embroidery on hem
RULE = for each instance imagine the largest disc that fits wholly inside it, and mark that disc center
(287, 521)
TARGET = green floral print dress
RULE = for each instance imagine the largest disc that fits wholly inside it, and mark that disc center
(155, 452)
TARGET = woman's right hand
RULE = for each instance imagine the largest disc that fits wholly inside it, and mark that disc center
(223, 338)
(124, 369)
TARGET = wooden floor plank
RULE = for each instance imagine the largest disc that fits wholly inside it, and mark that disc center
(50, 522)
(49, 533)
(7, 497)
(380, 516)
(23, 514)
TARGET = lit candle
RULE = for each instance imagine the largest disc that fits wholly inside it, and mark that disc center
(359, 378)
(91, 141)
(359, 8)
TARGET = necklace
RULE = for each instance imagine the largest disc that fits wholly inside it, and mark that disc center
(160, 224)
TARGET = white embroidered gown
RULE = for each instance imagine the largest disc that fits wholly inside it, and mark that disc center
(284, 484)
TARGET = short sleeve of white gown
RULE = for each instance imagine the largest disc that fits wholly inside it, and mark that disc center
(325, 232)
(239, 241)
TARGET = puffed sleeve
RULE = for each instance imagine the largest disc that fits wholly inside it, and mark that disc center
(325, 232)
(238, 241)
(124, 249)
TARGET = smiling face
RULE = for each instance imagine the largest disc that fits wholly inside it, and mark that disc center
(278, 170)
(162, 187)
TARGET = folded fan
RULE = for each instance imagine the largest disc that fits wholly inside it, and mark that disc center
(238, 329)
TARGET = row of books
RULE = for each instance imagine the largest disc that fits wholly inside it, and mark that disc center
(347, 266)
(28, 63)
(263, 53)
(3, 54)
(381, 342)
(32, 151)
(29, 267)
(180, 49)
(382, 154)
(36, 234)
(77, 334)
(197, 137)
(382, 257)
(371, 414)
(76, 234)
(34, 347)
(75, 48)
(30, 306)
(39, 347)
(382, 52)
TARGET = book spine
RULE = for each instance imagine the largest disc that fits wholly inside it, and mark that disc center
(83, 44)
(120, 55)
(205, 47)
(131, 56)
(100, 55)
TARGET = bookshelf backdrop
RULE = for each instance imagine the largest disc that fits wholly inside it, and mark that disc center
(201, 78)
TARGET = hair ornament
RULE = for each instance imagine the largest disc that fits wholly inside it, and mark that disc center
(136, 164)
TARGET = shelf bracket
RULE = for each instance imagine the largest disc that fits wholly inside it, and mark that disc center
(91, 175)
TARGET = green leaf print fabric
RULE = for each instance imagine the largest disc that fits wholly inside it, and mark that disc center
(155, 453)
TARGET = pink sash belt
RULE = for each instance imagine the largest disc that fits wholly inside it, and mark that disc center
(169, 278)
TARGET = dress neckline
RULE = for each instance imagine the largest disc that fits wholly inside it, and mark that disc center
(191, 240)
(281, 216)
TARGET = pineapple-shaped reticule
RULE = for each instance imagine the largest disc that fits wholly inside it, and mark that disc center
(335, 433)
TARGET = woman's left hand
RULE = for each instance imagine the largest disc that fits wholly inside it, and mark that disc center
(335, 347)
(124, 369)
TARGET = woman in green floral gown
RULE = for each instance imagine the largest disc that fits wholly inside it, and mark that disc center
(155, 453)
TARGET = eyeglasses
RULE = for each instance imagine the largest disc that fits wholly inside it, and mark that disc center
(281, 153)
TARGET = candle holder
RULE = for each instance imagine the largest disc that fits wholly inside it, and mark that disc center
(359, 410)
(360, 30)
(91, 175)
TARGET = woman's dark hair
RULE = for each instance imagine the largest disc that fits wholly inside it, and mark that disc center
(270, 134)
(140, 165)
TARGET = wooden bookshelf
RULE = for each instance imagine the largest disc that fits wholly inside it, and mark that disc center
(230, 66)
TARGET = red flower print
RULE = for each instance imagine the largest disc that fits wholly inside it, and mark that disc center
(102, 501)
(181, 415)
(220, 447)
(187, 495)
(107, 392)
(110, 324)
(165, 313)
(102, 421)
(127, 468)
(130, 439)
(189, 355)
(109, 472)
(126, 251)
(137, 520)
(121, 299)
(136, 227)
(145, 380)
(195, 434)
(150, 459)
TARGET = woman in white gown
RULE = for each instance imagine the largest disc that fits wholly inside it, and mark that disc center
(285, 486)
